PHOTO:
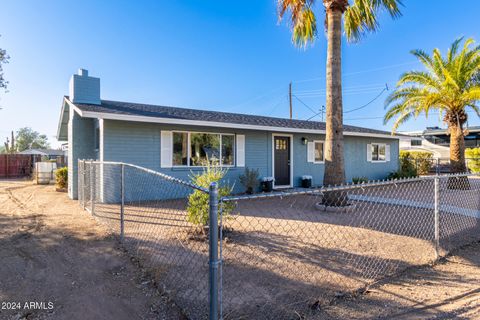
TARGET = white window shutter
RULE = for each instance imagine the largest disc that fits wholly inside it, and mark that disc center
(311, 152)
(166, 149)
(387, 152)
(369, 152)
(240, 150)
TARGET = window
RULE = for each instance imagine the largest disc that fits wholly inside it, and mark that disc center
(180, 149)
(319, 151)
(204, 147)
(280, 144)
(378, 152)
(196, 149)
(228, 142)
(416, 142)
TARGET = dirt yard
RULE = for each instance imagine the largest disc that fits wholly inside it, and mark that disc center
(55, 255)
(280, 261)
(281, 255)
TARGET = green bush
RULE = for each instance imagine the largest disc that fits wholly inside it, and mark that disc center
(359, 180)
(61, 177)
(472, 156)
(250, 180)
(198, 201)
(413, 163)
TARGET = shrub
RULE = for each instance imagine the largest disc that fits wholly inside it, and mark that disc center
(198, 201)
(414, 163)
(359, 180)
(250, 180)
(473, 159)
(61, 177)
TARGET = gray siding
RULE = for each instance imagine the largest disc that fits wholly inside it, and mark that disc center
(81, 145)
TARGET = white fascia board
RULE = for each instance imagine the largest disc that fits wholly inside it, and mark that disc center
(77, 110)
(60, 121)
(123, 117)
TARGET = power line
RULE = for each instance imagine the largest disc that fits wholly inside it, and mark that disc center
(370, 102)
(256, 98)
(306, 105)
(361, 72)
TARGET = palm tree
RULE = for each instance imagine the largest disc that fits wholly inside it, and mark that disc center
(449, 85)
(359, 17)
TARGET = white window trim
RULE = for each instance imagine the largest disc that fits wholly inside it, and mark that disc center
(291, 159)
(189, 151)
(379, 144)
(323, 144)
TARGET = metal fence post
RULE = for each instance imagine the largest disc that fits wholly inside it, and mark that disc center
(122, 203)
(92, 188)
(436, 217)
(84, 173)
(213, 254)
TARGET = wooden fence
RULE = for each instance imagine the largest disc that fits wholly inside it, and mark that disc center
(15, 165)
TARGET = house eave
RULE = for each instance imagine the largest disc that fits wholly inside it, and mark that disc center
(122, 117)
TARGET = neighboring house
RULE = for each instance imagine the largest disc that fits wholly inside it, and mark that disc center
(48, 153)
(437, 141)
(176, 141)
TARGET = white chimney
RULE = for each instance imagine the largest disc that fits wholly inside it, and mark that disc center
(84, 89)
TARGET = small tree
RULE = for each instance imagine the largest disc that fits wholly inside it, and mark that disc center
(198, 201)
(61, 177)
(29, 139)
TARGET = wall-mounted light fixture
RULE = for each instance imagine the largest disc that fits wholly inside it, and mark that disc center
(304, 141)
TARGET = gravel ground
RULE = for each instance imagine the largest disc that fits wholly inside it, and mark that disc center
(55, 255)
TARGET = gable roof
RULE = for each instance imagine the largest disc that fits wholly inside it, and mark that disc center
(128, 111)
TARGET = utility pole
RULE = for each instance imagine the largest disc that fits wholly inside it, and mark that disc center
(290, 98)
(322, 110)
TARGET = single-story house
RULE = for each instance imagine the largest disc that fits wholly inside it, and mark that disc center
(177, 141)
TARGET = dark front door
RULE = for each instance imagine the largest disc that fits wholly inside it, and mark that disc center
(282, 161)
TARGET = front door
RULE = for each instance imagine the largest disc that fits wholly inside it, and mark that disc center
(282, 160)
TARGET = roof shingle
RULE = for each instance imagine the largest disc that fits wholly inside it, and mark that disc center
(147, 110)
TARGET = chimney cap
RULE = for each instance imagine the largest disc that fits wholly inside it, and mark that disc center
(83, 72)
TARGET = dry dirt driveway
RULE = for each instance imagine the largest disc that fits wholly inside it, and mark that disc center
(55, 254)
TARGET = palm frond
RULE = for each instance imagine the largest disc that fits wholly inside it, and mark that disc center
(449, 84)
(302, 19)
(362, 16)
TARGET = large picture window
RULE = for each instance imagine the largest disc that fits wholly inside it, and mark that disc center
(197, 149)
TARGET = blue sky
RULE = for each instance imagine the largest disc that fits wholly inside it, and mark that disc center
(218, 55)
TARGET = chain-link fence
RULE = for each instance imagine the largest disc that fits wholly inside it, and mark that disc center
(283, 254)
(148, 211)
(430, 165)
(286, 253)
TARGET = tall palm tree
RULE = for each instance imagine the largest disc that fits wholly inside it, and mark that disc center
(449, 85)
(359, 17)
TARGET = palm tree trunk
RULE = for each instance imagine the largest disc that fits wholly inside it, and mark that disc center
(457, 149)
(334, 161)
(457, 158)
